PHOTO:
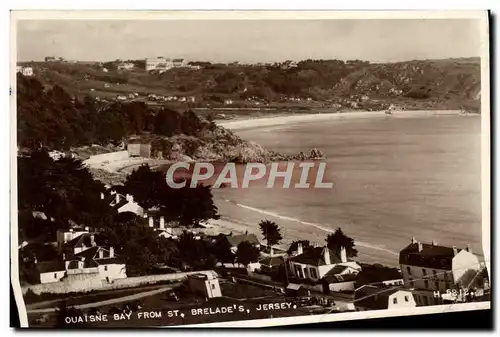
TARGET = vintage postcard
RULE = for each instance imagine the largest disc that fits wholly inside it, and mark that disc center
(247, 168)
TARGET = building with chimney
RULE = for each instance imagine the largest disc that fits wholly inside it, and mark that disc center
(370, 297)
(314, 263)
(430, 270)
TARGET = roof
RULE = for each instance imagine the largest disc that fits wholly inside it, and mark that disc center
(110, 260)
(337, 269)
(88, 254)
(272, 261)
(372, 297)
(314, 256)
(235, 240)
(333, 278)
(431, 256)
(293, 286)
(78, 240)
(50, 266)
(374, 274)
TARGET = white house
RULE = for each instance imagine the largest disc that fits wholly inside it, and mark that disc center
(99, 261)
(124, 203)
(205, 284)
(370, 297)
(78, 244)
(315, 262)
(126, 66)
(51, 271)
(66, 235)
(26, 71)
(430, 269)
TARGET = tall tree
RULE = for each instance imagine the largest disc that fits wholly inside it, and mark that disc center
(247, 253)
(271, 232)
(338, 239)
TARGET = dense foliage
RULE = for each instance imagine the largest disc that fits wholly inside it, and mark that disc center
(52, 118)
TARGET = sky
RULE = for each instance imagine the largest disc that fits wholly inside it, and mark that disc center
(249, 41)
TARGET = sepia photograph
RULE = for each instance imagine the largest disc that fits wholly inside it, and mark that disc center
(246, 168)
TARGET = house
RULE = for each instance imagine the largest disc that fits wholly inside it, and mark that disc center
(79, 244)
(26, 71)
(235, 240)
(125, 66)
(96, 262)
(228, 101)
(430, 269)
(159, 63)
(51, 271)
(315, 262)
(105, 70)
(379, 275)
(339, 282)
(139, 150)
(50, 59)
(178, 63)
(66, 235)
(205, 284)
(123, 203)
(121, 98)
(370, 297)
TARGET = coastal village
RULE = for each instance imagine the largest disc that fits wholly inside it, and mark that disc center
(318, 278)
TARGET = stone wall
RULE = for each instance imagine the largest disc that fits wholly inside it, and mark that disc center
(90, 282)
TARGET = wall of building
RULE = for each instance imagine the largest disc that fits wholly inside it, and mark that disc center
(113, 272)
(90, 282)
(50, 277)
(426, 278)
(342, 286)
(401, 299)
(213, 288)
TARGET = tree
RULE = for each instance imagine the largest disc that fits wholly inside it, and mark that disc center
(193, 204)
(271, 232)
(293, 247)
(338, 239)
(222, 250)
(247, 253)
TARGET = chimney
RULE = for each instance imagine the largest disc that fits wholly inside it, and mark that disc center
(468, 248)
(117, 198)
(299, 249)
(111, 252)
(101, 253)
(92, 240)
(87, 228)
(434, 243)
(420, 246)
(413, 240)
(343, 255)
(271, 253)
(66, 264)
(162, 222)
(71, 230)
(151, 223)
(326, 255)
(64, 257)
(127, 197)
(455, 250)
(102, 196)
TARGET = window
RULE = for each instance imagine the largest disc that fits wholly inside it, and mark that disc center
(298, 271)
(424, 272)
(425, 300)
(395, 300)
(408, 269)
(213, 286)
(105, 268)
(426, 284)
(436, 284)
(55, 275)
(313, 273)
(407, 299)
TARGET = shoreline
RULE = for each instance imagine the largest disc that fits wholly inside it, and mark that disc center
(286, 120)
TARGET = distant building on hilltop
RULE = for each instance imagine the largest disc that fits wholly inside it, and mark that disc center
(125, 66)
(26, 71)
(50, 59)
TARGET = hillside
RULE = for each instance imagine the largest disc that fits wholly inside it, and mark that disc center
(430, 84)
